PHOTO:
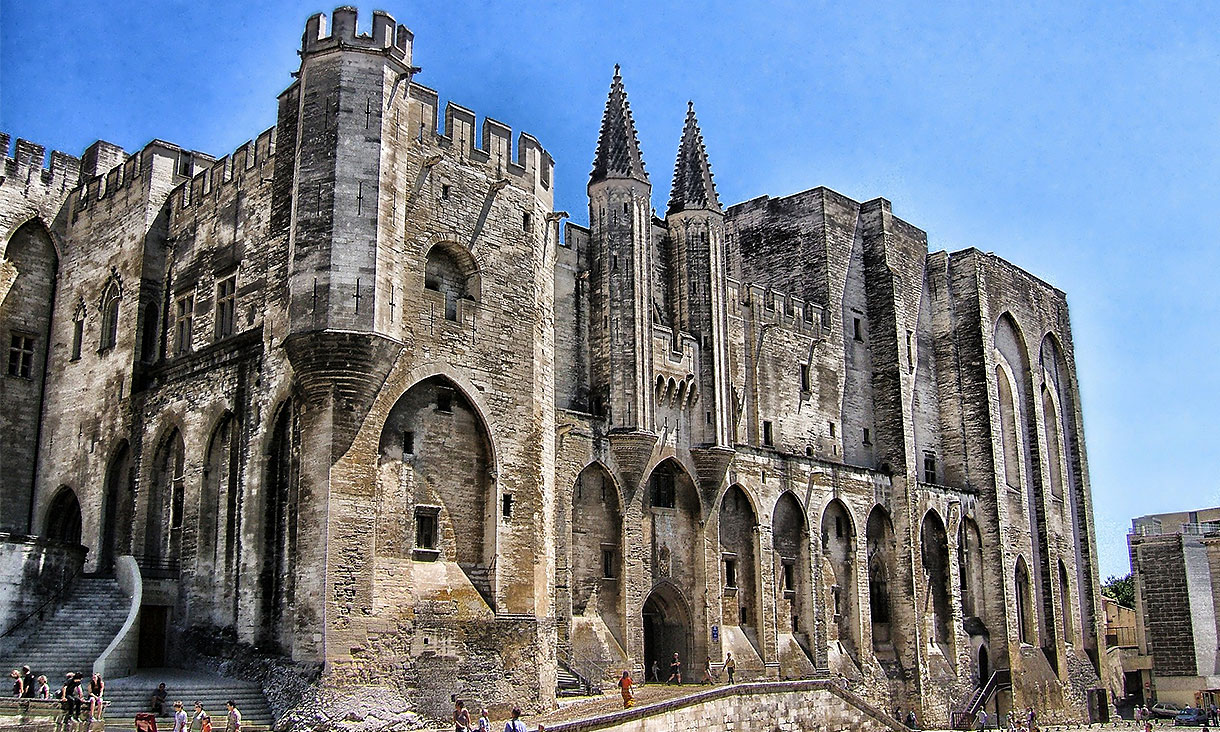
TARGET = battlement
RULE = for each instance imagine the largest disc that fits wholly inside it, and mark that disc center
(387, 36)
(493, 147)
(27, 166)
(206, 178)
(772, 307)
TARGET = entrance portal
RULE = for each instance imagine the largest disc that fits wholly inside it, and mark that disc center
(667, 630)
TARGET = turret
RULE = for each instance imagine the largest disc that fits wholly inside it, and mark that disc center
(620, 222)
(342, 89)
(695, 221)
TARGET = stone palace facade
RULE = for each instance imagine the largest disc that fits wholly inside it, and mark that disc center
(356, 397)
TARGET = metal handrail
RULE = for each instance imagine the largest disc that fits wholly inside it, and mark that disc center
(56, 597)
(591, 672)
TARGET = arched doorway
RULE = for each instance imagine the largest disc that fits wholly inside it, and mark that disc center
(63, 517)
(116, 507)
(667, 630)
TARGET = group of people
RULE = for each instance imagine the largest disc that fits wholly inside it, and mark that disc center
(910, 720)
(200, 720)
(626, 683)
(463, 723)
(71, 695)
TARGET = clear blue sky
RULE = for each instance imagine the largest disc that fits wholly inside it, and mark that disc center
(1078, 140)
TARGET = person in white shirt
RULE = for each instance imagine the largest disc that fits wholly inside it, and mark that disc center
(179, 717)
(515, 724)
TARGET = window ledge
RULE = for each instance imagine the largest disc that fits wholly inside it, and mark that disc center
(426, 555)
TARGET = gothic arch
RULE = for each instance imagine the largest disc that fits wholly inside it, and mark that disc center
(166, 500)
(970, 568)
(934, 556)
(219, 523)
(1024, 603)
(882, 576)
(737, 526)
(839, 575)
(276, 518)
(63, 519)
(451, 270)
(1065, 604)
(792, 556)
(118, 506)
(595, 543)
(668, 628)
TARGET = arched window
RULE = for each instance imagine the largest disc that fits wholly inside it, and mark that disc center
(451, 271)
(1065, 602)
(934, 552)
(110, 316)
(1054, 443)
(1008, 430)
(1024, 623)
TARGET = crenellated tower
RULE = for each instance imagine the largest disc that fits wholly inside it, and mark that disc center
(695, 220)
(620, 224)
(333, 117)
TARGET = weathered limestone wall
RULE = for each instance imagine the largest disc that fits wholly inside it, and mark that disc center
(32, 571)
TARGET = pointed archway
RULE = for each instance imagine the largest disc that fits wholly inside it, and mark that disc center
(667, 630)
(63, 517)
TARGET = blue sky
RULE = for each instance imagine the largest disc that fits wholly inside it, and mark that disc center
(1078, 140)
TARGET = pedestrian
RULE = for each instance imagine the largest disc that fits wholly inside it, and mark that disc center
(201, 722)
(911, 719)
(27, 678)
(707, 671)
(461, 716)
(898, 715)
(233, 722)
(158, 699)
(1031, 717)
(624, 684)
(656, 671)
(730, 666)
(484, 721)
(18, 683)
(42, 690)
(179, 717)
(675, 671)
(515, 724)
(96, 687)
(983, 719)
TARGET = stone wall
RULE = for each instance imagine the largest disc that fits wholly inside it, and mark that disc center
(33, 571)
(795, 706)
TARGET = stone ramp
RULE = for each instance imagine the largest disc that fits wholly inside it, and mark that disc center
(133, 694)
(813, 705)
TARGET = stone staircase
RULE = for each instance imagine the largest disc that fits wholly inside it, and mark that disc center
(71, 638)
(133, 694)
(570, 684)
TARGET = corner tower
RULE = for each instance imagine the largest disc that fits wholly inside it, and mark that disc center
(695, 220)
(333, 117)
(620, 223)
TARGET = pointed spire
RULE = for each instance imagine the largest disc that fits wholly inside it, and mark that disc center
(693, 187)
(618, 148)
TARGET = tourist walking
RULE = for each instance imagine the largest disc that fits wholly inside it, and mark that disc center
(42, 689)
(18, 683)
(461, 716)
(179, 717)
(707, 671)
(624, 685)
(201, 722)
(730, 666)
(656, 671)
(484, 721)
(983, 719)
(233, 722)
(912, 720)
(515, 724)
(675, 671)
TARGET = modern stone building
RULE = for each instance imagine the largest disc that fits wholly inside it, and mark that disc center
(354, 396)
(1175, 565)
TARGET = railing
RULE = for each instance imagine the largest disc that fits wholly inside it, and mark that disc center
(590, 671)
(1121, 636)
(1152, 528)
(54, 599)
(964, 718)
(158, 567)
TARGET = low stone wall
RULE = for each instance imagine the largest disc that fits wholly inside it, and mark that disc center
(780, 706)
(32, 570)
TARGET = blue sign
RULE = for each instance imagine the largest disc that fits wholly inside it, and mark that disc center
(715, 632)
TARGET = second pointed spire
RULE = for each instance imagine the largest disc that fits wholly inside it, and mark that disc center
(693, 187)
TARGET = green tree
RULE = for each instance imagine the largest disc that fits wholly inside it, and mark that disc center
(1121, 589)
